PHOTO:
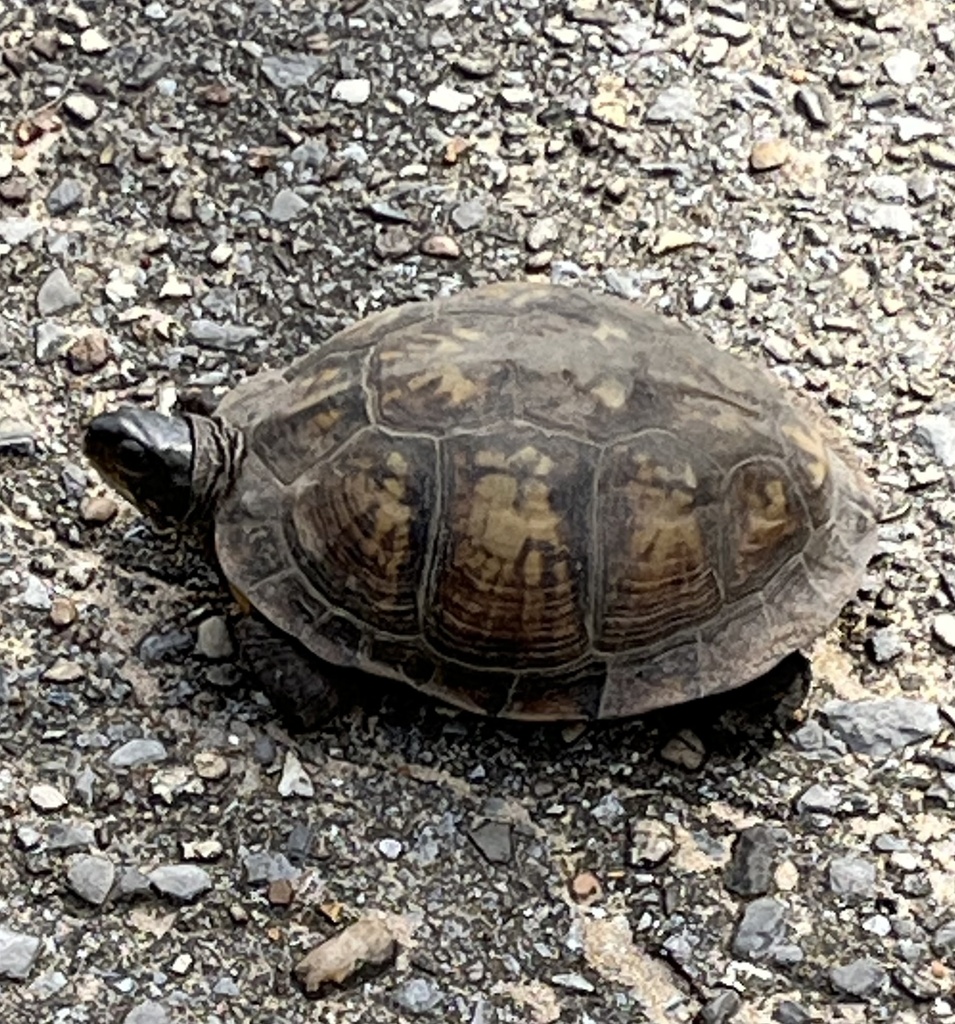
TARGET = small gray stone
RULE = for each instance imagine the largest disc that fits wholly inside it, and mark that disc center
(132, 882)
(81, 108)
(289, 71)
(910, 128)
(863, 977)
(722, 1008)
(885, 645)
(35, 595)
(56, 294)
(286, 206)
(91, 877)
(418, 995)
(936, 430)
(137, 752)
(60, 836)
(67, 194)
(51, 340)
(18, 953)
(148, 1012)
(761, 930)
(764, 245)
(814, 106)
(852, 876)
(213, 640)
(469, 214)
(14, 230)
(753, 860)
(608, 810)
(678, 103)
(542, 234)
(265, 866)
(573, 983)
(227, 337)
(880, 727)
(493, 839)
(651, 842)
(788, 1012)
(182, 881)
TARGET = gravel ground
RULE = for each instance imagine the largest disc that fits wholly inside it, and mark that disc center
(191, 191)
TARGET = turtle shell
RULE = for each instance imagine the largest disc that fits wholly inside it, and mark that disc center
(540, 502)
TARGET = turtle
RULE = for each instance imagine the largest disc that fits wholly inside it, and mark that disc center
(533, 501)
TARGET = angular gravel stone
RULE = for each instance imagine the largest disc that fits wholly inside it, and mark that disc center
(418, 995)
(184, 882)
(91, 877)
(493, 839)
(852, 876)
(722, 1008)
(880, 727)
(443, 97)
(68, 193)
(56, 294)
(677, 103)
(761, 930)
(469, 214)
(902, 67)
(885, 645)
(213, 640)
(137, 752)
(937, 431)
(354, 91)
(83, 109)
(861, 978)
(148, 1012)
(753, 861)
(290, 71)
(227, 337)
(286, 206)
(18, 953)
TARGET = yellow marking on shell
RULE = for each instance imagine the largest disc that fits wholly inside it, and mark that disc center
(451, 384)
(768, 519)
(397, 463)
(809, 442)
(666, 542)
(606, 331)
(325, 419)
(505, 516)
(448, 347)
(328, 374)
(485, 459)
(610, 393)
(519, 297)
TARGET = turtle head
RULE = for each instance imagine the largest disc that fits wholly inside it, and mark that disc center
(148, 458)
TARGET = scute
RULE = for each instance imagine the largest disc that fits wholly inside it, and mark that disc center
(540, 502)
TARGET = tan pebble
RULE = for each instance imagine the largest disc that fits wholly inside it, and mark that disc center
(586, 887)
(98, 509)
(442, 246)
(685, 749)
(768, 154)
(939, 970)
(62, 671)
(786, 876)
(368, 941)
(46, 797)
(280, 892)
(89, 352)
(182, 964)
(668, 241)
(202, 849)
(210, 765)
(62, 612)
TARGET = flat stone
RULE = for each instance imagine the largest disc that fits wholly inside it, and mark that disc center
(493, 839)
(753, 861)
(418, 995)
(451, 101)
(46, 798)
(81, 108)
(69, 192)
(295, 780)
(885, 645)
(722, 1008)
(469, 214)
(881, 727)
(936, 430)
(768, 154)
(213, 640)
(286, 206)
(93, 41)
(148, 1012)
(18, 953)
(353, 91)
(441, 247)
(863, 977)
(678, 103)
(226, 337)
(182, 881)
(14, 230)
(289, 71)
(368, 942)
(761, 929)
(56, 294)
(137, 752)
(542, 233)
(91, 877)
(852, 876)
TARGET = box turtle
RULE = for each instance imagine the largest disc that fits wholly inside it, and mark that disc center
(531, 501)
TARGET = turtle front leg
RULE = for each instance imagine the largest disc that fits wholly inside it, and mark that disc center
(302, 689)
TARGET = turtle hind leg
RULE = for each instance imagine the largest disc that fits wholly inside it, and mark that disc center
(302, 689)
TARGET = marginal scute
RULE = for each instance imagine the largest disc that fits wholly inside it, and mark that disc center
(540, 502)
